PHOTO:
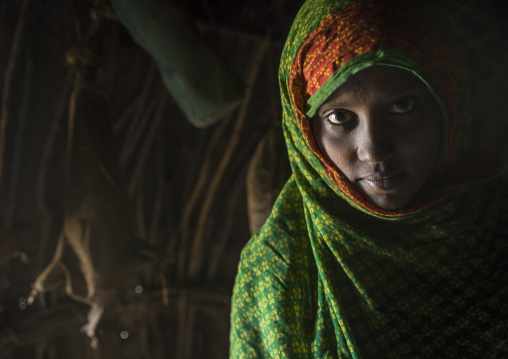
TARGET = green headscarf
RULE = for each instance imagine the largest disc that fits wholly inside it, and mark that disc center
(332, 276)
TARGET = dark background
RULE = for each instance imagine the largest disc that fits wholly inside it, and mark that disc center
(184, 184)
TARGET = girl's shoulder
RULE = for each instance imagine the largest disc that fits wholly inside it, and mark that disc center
(282, 242)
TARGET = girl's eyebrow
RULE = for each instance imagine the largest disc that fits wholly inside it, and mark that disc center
(407, 87)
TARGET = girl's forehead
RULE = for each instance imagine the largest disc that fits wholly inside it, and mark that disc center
(384, 80)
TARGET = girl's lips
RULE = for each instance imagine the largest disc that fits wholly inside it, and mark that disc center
(384, 182)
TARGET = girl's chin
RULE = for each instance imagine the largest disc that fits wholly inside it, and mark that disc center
(390, 200)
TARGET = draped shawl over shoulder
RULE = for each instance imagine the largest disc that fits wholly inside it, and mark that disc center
(332, 276)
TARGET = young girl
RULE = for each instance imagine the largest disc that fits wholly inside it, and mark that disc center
(390, 238)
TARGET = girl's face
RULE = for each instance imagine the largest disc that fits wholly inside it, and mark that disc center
(382, 129)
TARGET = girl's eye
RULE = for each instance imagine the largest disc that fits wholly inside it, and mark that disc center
(339, 117)
(402, 106)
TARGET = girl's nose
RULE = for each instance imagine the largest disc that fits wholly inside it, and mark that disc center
(373, 143)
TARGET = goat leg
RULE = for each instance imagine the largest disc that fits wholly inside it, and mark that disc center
(39, 284)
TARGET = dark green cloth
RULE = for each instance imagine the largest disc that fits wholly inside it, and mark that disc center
(343, 284)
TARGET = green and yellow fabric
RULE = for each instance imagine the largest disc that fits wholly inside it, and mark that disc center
(332, 276)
